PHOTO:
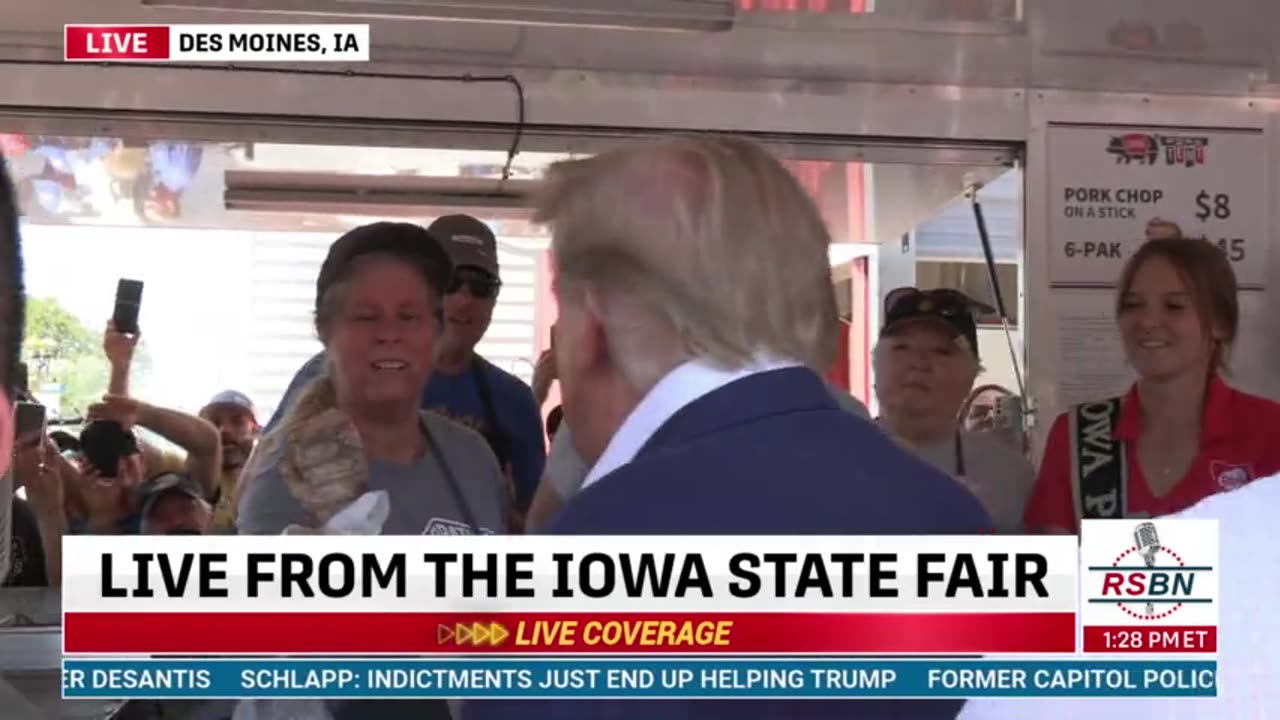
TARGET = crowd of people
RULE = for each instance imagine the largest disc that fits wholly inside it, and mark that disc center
(51, 175)
(696, 311)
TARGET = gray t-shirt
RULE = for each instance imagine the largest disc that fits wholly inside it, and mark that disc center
(422, 499)
(994, 472)
(422, 502)
(566, 470)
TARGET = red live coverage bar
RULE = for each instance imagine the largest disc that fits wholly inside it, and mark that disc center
(115, 42)
(371, 633)
(1156, 639)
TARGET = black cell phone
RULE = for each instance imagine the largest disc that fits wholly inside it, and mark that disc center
(104, 443)
(28, 417)
(21, 381)
(128, 304)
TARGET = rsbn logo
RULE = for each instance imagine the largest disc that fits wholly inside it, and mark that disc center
(1149, 580)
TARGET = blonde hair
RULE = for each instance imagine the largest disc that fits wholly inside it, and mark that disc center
(694, 247)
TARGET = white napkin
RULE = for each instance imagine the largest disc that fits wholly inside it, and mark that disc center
(365, 516)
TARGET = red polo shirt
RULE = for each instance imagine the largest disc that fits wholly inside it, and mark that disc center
(1239, 442)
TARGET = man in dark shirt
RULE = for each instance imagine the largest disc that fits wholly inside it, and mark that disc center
(38, 520)
(26, 558)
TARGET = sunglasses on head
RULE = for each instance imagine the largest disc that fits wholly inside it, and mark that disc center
(946, 301)
(481, 288)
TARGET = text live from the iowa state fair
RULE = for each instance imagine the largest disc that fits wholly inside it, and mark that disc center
(559, 617)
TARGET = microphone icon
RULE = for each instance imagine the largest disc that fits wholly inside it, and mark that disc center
(1148, 544)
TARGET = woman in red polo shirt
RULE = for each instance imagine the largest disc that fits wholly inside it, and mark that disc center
(1180, 434)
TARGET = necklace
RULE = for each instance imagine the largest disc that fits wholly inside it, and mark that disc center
(1169, 474)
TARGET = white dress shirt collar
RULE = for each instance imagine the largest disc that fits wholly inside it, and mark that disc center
(678, 388)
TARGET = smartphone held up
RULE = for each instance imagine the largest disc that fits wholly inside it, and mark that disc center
(128, 305)
(28, 418)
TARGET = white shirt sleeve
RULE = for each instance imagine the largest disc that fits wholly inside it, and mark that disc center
(1249, 650)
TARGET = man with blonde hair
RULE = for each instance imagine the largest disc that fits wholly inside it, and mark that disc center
(695, 295)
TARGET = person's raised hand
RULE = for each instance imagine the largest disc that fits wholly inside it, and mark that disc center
(28, 454)
(119, 408)
(104, 499)
(119, 346)
(32, 466)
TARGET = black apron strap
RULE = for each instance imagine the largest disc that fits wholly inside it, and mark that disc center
(451, 481)
(1099, 471)
(497, 435)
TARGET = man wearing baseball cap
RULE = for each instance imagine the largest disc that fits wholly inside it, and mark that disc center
(232, 412)
(926, 363)
(463, 385)
(173, 504)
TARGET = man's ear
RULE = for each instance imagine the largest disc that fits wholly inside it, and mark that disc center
(593, 338)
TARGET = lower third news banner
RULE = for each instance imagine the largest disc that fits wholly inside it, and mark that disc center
(585, 617)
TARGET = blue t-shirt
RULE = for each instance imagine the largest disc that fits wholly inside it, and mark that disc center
(519, 432)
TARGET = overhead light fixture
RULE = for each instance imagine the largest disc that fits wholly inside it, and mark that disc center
(372, 195)
(671, 15)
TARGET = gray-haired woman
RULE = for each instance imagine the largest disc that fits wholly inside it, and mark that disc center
(360, 428)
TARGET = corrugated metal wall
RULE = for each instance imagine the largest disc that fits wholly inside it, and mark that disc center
(282, 296)
(511, 342)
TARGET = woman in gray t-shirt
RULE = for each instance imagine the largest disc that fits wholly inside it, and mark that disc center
(359, 426)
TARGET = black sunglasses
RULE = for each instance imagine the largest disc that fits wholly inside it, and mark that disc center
(480, 288)
(948, 301)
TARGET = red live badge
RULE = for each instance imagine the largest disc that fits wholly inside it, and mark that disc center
(114, 43)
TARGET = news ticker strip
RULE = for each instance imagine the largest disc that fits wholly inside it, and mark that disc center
(569, 633)
(721, 678)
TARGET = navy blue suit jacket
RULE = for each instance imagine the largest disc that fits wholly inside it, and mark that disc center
(770, 454)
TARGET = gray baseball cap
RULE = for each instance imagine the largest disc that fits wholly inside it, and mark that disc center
(230, 398)
(164, 484)
(469, 242)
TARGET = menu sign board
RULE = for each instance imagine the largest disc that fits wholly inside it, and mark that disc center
(1112, 187)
